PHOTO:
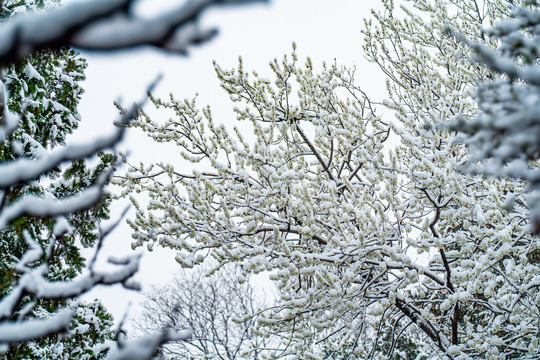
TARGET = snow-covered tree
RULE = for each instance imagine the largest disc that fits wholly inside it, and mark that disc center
(319, 197)
(309, 199)
(44, 89)
(89, 337)
(487, 305)
(50, 201)
(216, 308)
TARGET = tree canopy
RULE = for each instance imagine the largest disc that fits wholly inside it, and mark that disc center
(359, 218)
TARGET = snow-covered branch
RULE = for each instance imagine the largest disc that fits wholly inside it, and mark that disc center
(35, 283)
(15, 332)
(23, 170)
(145, 347)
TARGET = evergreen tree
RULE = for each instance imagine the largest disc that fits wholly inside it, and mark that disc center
(45, 90)
(89, 337)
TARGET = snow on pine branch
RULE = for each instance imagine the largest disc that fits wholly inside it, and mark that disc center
(46, 207)
(34, 282)
(105, 25)
(8, 121)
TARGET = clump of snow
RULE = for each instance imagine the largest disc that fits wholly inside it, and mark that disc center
(32, 73)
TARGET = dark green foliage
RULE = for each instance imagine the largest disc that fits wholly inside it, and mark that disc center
(44, 91)
(86, 339)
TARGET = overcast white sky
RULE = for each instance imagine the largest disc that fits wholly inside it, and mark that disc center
(323, 29)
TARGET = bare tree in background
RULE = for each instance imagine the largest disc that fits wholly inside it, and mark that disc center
(218, 310)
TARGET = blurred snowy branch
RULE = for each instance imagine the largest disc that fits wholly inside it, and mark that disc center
(505, 137)
(145, 347)
(105, 25)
